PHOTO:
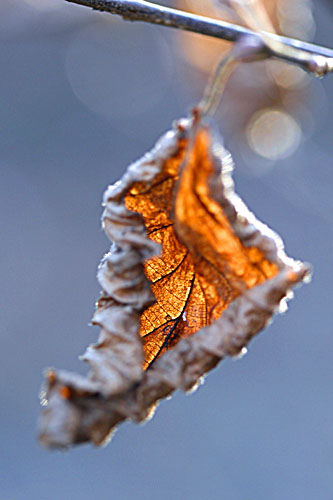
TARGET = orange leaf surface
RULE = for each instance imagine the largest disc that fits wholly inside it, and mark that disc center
(204, 265)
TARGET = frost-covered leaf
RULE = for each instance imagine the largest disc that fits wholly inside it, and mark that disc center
(190, 278)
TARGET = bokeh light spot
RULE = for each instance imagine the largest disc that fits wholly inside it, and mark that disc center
(286, 75)
(273, 134)
(112, 73)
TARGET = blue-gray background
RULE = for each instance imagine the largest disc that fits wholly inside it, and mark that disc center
(82, 95)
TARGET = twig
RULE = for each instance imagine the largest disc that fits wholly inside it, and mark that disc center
(313, 58)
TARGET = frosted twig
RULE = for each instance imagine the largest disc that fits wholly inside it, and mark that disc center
(313, 58)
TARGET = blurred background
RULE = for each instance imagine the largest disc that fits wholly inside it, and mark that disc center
(82, 94)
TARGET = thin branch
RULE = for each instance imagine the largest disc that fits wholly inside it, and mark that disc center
(313, 58)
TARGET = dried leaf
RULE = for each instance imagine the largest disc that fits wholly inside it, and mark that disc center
(220, 277)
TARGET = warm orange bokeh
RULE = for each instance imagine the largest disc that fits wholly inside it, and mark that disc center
(203, 52)
(257, 90)
(203, 265)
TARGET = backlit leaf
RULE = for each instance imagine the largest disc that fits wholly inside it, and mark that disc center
(190, 278)
(204, 265)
